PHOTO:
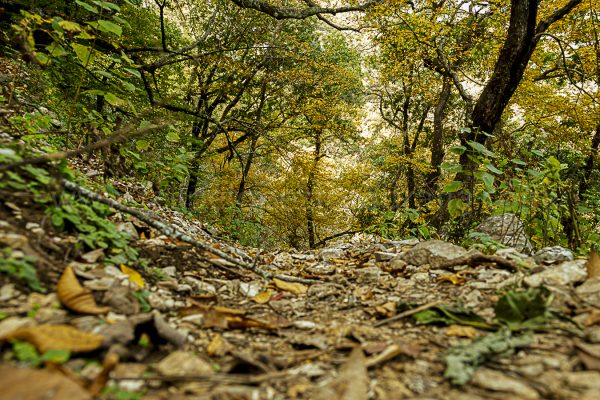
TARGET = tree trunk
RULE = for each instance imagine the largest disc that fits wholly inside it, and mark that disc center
(246, 169)
(437, 143)
(310, 190)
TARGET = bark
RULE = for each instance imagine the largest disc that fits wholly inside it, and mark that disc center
(437, 143)
(246, 169)
(584, 184)
(310, 190)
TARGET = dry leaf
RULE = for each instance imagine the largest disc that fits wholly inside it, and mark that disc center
(56, 337)
(110, 362)
(225, 318)
(386, 310)
(292, 287)
(455, 279)
(593, 265)
(263, 297)
(75, 297)
(35, 384)
(93, 256)
(593, 318)
(461, 331)
(218, 346)
(352, 382)
(133, 275)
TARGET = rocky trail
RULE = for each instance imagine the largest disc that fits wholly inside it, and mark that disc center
(368, 319)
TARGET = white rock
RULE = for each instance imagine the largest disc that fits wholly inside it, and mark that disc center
(497, 381)
(433, 252)
(250, 289)
(553, 255)
(306, 325)
(561, 275)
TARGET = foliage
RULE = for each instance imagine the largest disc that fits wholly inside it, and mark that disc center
(21, 267)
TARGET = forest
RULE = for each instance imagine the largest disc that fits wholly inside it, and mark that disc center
(300, 199)
(282, 130)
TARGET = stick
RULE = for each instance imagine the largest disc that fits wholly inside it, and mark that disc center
(475, 259)
(408, 313)
(172, 231)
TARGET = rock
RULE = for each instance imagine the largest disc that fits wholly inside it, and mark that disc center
(250, 289)
(13, 240)
(305, 325)
(13, 323)
(330, 253)
(170, 271)
(553, 255)
(368, 274)
(381, 256)
(420, 277)
(129, 228)
(8, 292)
(589, 291)
(183, 363)
(583, 379)
(432, 252)
(497, 381)
(51, 316)
(121, 300)
(564, 274)
(508, 230)
(522, 259)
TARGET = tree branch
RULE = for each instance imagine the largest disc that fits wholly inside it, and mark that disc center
(303, 13)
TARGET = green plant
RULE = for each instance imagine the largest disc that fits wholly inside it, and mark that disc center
(26, 353)
(20, 267)
(113, 392)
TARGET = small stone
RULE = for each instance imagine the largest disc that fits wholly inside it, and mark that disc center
(381, 256)
(497, 381)
(250, 289)
(564, 274)
(589, 291)
(433, 252)
(368, 274)
(507, 229)
(170, 271)
(553, 255)
(100, 284)
(183, 363)
(13, 240)
(330, 253)
(13, 323)
(129, 228)
(51, 316)
(420, 277)
(184, 288)
(8, 292)
(305, 325)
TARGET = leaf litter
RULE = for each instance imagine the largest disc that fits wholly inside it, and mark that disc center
(377, 321)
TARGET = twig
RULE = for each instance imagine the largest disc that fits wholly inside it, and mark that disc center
(408, 313)
(173, 232)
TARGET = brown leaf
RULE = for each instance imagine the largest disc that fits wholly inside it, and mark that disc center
(225, 318)
(56, 337)
(593, 265)
(264, 296)
(34, 384)
(352, 382)
(292, 287)
(218, 346)
(75, 297)
(455, 279)
(589, 354)
(593, 318)
(110, 362)
(461, 331)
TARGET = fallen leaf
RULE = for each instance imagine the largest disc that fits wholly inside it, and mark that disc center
(352, 382)
(593, 318)
(56, 337)
(75, 297)
(461, 331)
(218, 346)
(34, 384)
(110, 362)
(386, 310)
(292, 287)
(264, 296)
(455, 279)
(593, 265)
(391, 352)
(225, 318)
(133, 275)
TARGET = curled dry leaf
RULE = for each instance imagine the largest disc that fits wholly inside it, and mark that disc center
(110, 362)
(593, 265)
(31, 384)
(292, 287)
(133, 275)
(56, 337)
(75, 297)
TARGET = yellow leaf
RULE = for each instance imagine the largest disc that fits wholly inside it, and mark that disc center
(263, 297)
(292, 287)
(133, 275)
(56, 337)
(593, 265)
(455, 279)
(75, 297)
(461, 331)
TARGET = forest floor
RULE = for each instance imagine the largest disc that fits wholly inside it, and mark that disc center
(380, 319)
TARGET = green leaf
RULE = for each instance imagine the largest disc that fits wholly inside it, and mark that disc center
(87, 6)
(173, 137)
(56, 356)
(462, 361)
(84, 53)
(456, 207)
(26, 353)
(451, 167)
(113, 100)
(104, 74)
(518, 162)
(142, 145)
(452, 187)
(481, 149)
(493, 169)
(488, 180)
(70, 26)
(106, 5)
(121, 21)
(42, 58)
(56, 50)
(450, 315)
(524, 309)
(457, 149)
(109, 27)
(134, 72)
